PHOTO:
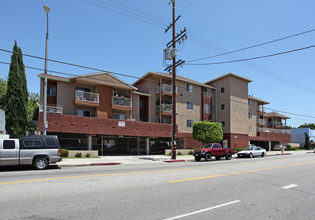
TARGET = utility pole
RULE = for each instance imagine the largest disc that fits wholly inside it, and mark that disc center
(170, 54)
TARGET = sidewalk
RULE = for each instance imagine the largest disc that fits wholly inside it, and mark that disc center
(145, 159)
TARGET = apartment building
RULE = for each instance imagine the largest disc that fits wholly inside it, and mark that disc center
(101, 112)
(243, 117)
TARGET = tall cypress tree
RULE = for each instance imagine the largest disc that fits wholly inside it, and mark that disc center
(17, 96)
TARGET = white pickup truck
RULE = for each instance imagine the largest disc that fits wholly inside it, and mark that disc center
(36, 150)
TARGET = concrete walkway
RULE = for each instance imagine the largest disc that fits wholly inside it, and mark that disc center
(145, 159)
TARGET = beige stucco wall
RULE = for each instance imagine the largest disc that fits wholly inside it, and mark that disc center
(181, 102)
(65, 97)
(239, 105)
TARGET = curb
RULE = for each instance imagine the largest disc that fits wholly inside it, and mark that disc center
(172, 161)
(103, 164)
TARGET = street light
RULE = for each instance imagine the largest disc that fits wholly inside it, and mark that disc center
(47, 10)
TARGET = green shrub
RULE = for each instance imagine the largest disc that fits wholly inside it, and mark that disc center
(179, 153)
(64, 153)
(170, 153)
(87, 155)
(79, 154)
(191, 152)
(289, 147)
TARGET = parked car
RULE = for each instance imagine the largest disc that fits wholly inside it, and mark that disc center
(279, 147)
(36, 150)
(252, 151)
(213, 149)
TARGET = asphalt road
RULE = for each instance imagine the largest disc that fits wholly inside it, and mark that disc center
(280, 187)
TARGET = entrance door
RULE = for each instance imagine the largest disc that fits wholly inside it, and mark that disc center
(144, 114)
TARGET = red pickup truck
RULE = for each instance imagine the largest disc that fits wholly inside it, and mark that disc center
(213, 149)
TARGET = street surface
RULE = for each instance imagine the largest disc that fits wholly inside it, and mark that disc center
(279, 187)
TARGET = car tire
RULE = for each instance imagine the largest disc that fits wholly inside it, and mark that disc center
(228, 156)
(251, 155)
(262, 154)
(208, 157)
(217, 158)
(41, 163)
(197, 158)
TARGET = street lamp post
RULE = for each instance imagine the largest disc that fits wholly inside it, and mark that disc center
(47, 10)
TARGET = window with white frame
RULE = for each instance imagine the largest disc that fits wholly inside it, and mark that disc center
(119, 116)
(81, 112)
(189, 123)
(51, 90)
(250, 115)
(207, 109)
(207, 91)
(190, 105)
(189, 88)
(250, 128)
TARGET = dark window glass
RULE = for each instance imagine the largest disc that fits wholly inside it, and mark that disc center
(50, 141)
(28, 143)
(37, 143)
(8, 144)
(222, 90)
(223, 123)
(222, 106)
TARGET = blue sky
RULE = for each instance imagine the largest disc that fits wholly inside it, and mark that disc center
(92, 33)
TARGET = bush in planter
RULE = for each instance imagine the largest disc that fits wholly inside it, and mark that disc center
(179, 153)
(87, 155)
(79, 154)
(64, 152)
(191, 152)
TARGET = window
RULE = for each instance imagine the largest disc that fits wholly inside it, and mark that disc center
(249, 102)
(190, 105)
(222, 106)
(215, 146)
(189, 123)
(207, 91)
(250, 115)
(119, 116)
(207, 109)
(83, 113)
(83, 89)
(49, 141)
(223, 123)
(8, 144)
(51, 90)
(189, 88)
(250, 128)
(222, 89)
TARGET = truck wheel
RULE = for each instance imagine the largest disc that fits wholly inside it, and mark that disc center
(217, 158)
(197, 158)
(41, 163)
(228, 156)
(208, 157)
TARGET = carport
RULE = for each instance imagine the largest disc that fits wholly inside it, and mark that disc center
(265, 144)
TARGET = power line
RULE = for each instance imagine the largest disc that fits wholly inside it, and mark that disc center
(257, 45)
(254, 58)
(152, 80)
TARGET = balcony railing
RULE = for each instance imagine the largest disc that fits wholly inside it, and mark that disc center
(121, 101)
(276, 124)
(260, 108)
(272, 130)
(52, 109)
(164, 108)
(164, 88)
(261, 121)
(87, 96)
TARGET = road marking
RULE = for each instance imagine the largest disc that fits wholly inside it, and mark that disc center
(95, 175)
(203, 210)
(242, 172)
(289, 186)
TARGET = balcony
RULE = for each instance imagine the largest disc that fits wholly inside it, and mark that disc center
(260, 108)
(165, 89)
(121, 103)
(272, 130)
(276, 124)
(86, 98)
(52, 109)
(261, 122)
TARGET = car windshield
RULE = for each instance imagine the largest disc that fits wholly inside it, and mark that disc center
(249, 148)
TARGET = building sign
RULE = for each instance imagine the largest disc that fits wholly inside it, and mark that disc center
(121, 124)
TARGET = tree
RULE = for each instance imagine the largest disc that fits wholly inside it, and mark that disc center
(207, 132)
(16, 96)
(3, 91)
(310, 125)
(32, 107)
(307, 142)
